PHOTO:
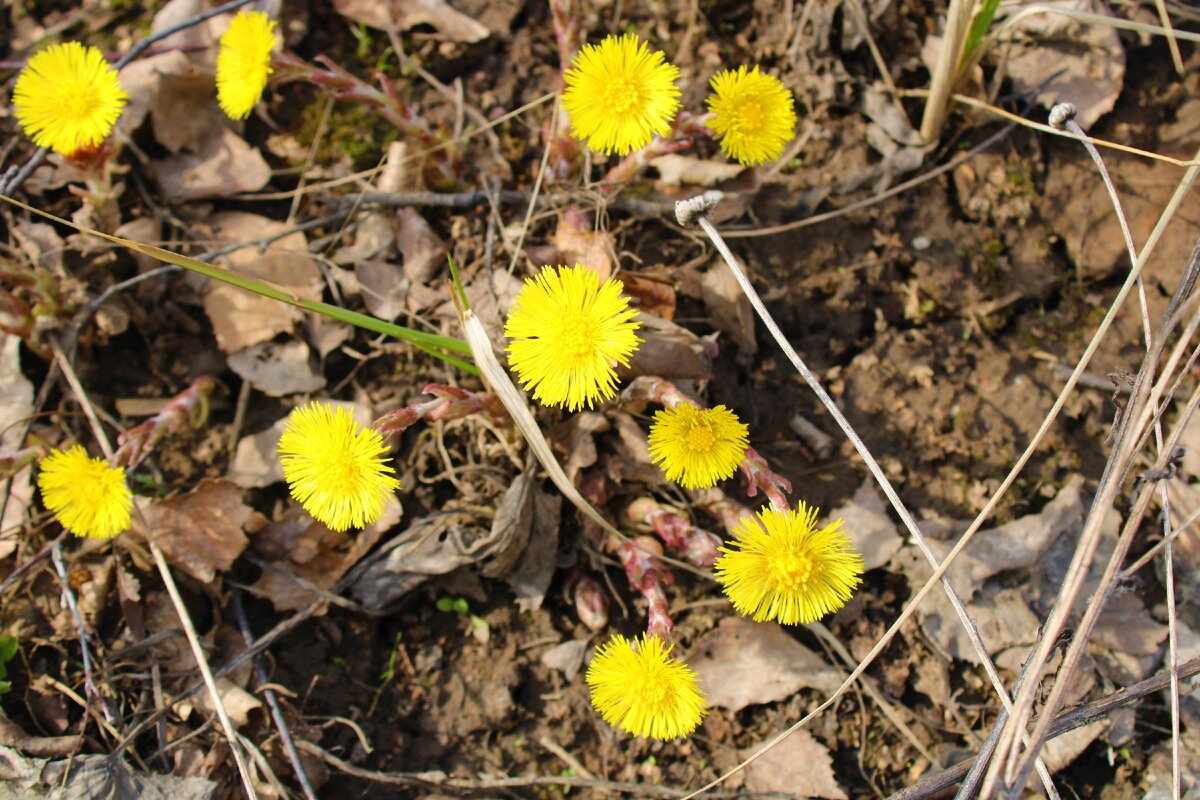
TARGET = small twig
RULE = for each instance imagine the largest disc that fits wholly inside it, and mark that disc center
(89, 681)
(933, 785)
(285, 733)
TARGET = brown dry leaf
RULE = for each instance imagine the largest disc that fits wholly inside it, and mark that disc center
(867, 523)
(531, 578)
(781, 666)
(239, 318)
(1069, 60)
(222, 165)
(578, 243)
(632, 453)
(16, 405)
(423, 250)
(490, 296)
(677, 170)
(201, 531)
(728, 307)
(185, 114)
(84, 777)
(199, 41)
(278, 369)
(575, 440)
(404, 14)
(566, 657)
(310, 551)
(141, 79)
(669, 351)
(91, 577)
(651, 296)
(799, 766)
(256, 462)
(383, 287)
(512, 524)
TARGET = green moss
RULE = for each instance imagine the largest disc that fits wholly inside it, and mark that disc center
(352, 130)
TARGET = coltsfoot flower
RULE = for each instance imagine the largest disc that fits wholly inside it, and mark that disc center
(334, 467)
(619, 94)
(697, 447)
(782, 567)
(638, 687)
(567, 329)
(752, 115)
(244, 62)
(87, 495)
(68, 98)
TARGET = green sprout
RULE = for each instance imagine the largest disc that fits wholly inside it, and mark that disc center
(8, 651)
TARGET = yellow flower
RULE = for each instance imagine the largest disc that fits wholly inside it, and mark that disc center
(752, 115)
(68, 98)
(696, 447)
(567, 330)
(334, 467)
(783, 568)
(244, 62)
(88, 497)
(638, 687)
(619, 94)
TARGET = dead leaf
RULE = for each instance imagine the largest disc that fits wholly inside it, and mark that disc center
(512, 524)
(197, 41)
(277, 369)
(530, 579)
(726, 657)
(669, 351)
(256, 460)
(201, 531)
(90, 777)
(566, 657)
(404, 14)
(575, 440)
(185, 114)
(1060, 751)
(651, 296)
(423, 250)
(728, 307)
(383, 286)
(300, 546)
(16, 405)
(799, 766)
(868, 525)
(240, 318)
(577, 242)
(677, 170)
(1067, 60)
(222, 165)
(141, 79)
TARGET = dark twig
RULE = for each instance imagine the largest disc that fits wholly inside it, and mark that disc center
(285, 733)
(1084, 715)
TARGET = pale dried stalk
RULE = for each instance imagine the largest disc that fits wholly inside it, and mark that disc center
(1023, 703)
(693, 210)
(945, 72)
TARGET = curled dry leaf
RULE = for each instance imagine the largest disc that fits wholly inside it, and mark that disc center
(16, 405)
(404, 14)
(298, 546)
(201, 531)
(278, 369)
(781, 666)
(239, 318)
(577, 242)
(222, 165)
(777, 770)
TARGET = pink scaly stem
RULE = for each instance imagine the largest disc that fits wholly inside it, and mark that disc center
(760, 477)
(648, 575)
(188, 407)
(696, 545)
(451, 402)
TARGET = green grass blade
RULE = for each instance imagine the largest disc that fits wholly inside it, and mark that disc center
(435, 344)
(979, 27)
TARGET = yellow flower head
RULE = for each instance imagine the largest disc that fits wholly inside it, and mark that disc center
(752, 115)
(88, 497)
(638, 687)
(619, 94)
(334, 467)
(244, 62)
(68, 98)
(783, 568)
(567, 330)
(696, 447)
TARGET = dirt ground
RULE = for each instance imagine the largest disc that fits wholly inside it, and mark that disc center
(943, 319)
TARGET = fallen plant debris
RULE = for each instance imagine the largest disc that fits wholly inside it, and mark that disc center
(312, 316)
